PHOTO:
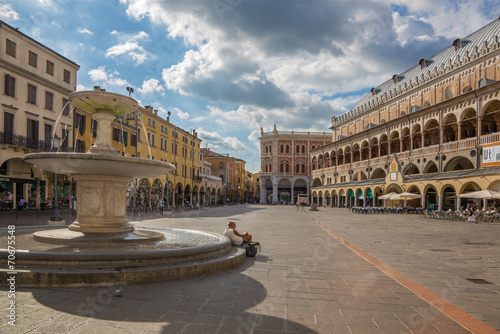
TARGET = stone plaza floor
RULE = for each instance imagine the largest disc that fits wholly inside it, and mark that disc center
(326, 271)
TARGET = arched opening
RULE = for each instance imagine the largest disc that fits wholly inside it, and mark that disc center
(468, 128)
(365, 151)
(156, 193)
(395, 142)
(468, 188)
(347, 155)
(384, 145)
(374, 148)
(340, 157)
(405, 138)
(142, 199)
(378, 173)
(430, 168)
(491, 118)
(450, 128)
(448, 93)
(417, 137)
(431, 133)
(356, 153)
(458, 163)
(411, 169)
(299, 188)
(449, 198)
(284, 191)
(431, 199)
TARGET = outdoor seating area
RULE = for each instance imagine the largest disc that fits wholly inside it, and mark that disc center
(378, 210)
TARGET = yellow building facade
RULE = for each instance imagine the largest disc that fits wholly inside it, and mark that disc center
(432, 130)
(34, 88)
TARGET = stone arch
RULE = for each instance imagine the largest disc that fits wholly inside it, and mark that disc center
(458, 163)
(450, 128)
(416, 134)
(384, 145)
(405, 138)
(468, 119)
(411, 169)
(378, 173)
(393, 187)
(430, 168)
(449, 197)
(347, 154)
(340, 156)
(490, 118)
(395, 142)
(356, 153)
(431, 132)
(365, 150)
(469, 187)
(317, 182)
(467, 89)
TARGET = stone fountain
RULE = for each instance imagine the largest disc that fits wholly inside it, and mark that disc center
(100, 246)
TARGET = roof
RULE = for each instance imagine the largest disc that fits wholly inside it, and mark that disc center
(468, 48)
(3, 23)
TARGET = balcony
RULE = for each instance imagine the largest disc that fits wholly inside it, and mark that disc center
(26, 143)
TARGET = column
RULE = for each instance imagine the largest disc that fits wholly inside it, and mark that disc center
(262, 192)
(423, 138)
(459, 136)
(291, 195)
(457, 202)
(440, 202)
(422, 201)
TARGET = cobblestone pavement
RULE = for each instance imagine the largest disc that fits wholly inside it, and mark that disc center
(309, 278)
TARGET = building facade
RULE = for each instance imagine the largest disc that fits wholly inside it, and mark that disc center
(285, 166)
(432, 130)
(35, 84)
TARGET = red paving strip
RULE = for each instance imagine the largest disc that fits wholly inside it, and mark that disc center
(463, 318)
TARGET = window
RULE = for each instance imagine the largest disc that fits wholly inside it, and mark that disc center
(10, 85)
(282, 148)
(32, 59)
(287, 149)
(48, 136)
(153, 141)
(297, 149)
(10, 48)
(31, 94)
(133, 140)
(8, 128)
(65, 104)
(125, 138)
(149, 121)
(221, 164)
(154, 124)
(80, 146)
(80, 123)
(66, 76)
(50, 68)
(49, 101)
(116, 134)
(32, 133)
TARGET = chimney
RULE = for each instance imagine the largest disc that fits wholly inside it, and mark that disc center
(149, 108)
(156, 112)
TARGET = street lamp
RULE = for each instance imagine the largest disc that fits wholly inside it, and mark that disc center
(56, 215)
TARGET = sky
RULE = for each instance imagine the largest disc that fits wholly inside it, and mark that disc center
(227, 68)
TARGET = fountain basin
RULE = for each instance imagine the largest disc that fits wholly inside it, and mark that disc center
(98, 164)
(181, 254)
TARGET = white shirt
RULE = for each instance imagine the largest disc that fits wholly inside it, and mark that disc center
(235, 240)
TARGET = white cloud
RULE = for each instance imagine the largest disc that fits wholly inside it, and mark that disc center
(106, 79)
(7, 13)
(151, 86)
(181, 114)
(129, 45)
(84, 31)
(216, 142)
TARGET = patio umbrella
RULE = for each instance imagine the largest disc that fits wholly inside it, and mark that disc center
(408, 196)
(482, 194)
(392, 195)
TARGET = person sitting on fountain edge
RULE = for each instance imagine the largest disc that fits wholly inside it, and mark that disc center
(235, 237)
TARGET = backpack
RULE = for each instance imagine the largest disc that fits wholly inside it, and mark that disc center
(251, 248)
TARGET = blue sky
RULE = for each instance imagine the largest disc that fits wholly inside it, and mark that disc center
(229, 67)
